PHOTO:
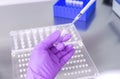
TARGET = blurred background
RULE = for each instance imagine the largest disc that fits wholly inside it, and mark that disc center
(101, 32)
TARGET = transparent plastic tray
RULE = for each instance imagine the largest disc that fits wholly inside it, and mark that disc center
(78, 67)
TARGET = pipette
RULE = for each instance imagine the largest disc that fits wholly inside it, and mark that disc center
(83, 11)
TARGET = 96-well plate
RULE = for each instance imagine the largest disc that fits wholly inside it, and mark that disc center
(78, 67)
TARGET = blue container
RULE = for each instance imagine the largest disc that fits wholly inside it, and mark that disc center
(65, 11)
(118, 1)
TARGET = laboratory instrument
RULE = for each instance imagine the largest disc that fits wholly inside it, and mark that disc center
(78, 67)
(70, 8)
(83, 10)
(74, 3)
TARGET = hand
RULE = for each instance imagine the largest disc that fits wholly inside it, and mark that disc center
(49, 57)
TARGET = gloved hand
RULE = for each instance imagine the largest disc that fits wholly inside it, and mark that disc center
(49, 57)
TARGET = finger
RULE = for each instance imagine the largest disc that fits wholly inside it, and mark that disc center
(65, 58)
(56, 49)
(50, 40)
(68, 48)
(60, 46)
(66, 37)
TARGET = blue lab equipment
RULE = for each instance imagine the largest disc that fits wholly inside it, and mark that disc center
(116, 7)
(118, 1)
(70, 11)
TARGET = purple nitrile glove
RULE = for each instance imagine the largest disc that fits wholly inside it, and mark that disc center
(49, 57)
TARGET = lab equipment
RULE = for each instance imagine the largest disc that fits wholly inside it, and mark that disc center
(69, 9)
(79, 66)
(74, 3)
(116, 7)
(83, 10)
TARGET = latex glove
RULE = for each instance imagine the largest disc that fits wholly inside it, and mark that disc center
(49, 57)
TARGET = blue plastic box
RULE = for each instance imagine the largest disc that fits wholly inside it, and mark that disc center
(65, 11)
(118, 1)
